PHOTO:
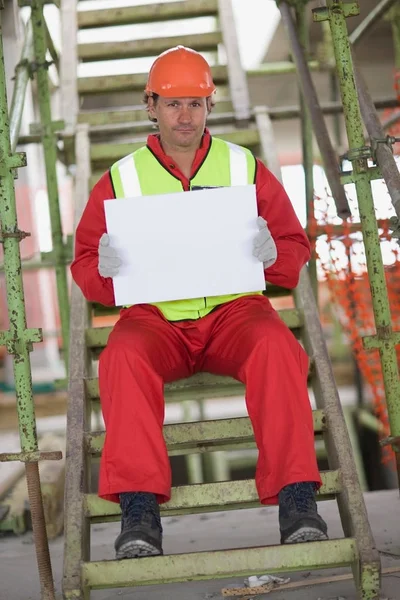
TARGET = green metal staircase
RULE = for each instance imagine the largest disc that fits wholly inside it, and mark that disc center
(116, 132)
(103, 136)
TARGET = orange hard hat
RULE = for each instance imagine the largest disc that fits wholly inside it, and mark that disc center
(180, 73)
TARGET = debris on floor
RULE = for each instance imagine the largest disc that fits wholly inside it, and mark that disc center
(256, 585)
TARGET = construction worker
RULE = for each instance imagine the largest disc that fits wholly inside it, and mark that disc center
(239, 335)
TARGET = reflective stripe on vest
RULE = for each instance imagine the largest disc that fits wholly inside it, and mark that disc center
(141, 174)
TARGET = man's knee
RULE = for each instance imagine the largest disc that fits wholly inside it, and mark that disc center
(130, 344)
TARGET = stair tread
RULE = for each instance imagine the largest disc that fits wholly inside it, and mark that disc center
(108, 153)
(219, 564)
(147, 13)
(202, 435)
(96, 337)
(201, 42)
(144, 126)
(205, 497)
(132, 81)
(127, 114)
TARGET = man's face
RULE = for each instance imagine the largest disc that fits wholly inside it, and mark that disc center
(181, 120)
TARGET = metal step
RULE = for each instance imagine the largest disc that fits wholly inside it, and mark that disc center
(130, 114)
(148, 13)
(196, 387)
(147, 47)
(204, 497)
(135, 127)
(201, 385)
(131, 82)
(220, 564)
(203, 436)
(107, 154)
(96, 337)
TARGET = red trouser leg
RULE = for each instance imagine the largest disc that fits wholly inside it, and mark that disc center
(143, 351)
(249, 341)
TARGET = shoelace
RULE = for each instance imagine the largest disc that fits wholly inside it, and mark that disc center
(298, 497)
(135, 505)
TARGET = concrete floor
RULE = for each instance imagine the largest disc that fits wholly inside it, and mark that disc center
(19, 579)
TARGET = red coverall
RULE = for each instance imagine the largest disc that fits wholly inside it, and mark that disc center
(244, 338)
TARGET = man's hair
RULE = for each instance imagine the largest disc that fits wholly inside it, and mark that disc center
(155, 97)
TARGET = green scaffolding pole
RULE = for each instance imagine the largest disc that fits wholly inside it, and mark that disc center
(48, 130)
(394, 17)
(22, 74)
(307, 145)
(385, 339)
(19, 339)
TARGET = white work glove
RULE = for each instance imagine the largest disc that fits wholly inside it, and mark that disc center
(109, 262)
(264, 247)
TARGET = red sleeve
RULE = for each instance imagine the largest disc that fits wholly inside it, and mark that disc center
(91, 227)
(290, 238)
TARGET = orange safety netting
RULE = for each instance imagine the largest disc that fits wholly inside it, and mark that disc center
(342, 264)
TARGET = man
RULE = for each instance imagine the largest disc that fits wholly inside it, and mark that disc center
(239, 335)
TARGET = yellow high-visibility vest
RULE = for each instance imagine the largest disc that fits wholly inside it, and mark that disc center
(141, 174)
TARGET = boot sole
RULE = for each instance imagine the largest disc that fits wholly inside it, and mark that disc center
(306, 534)
(137, 549)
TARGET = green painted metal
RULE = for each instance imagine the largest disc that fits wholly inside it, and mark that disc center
(354, 127)
(132, 82)
(19, 339)
(208, 497)
(49, 142)
(22, 75)
(202, 42)
(131, 115)
(148, 13)
(84, 446)
(197, 387)
(221, 564)
(351, 502)
(371, 18)
(348, 412)
(194, 462)
(310, 97)
(194, 388)
(51, 48)
(281, 68)
(369, 421)
(394, 17)
(108, 153)
(96, 337)
(307, 143)
(203, 436)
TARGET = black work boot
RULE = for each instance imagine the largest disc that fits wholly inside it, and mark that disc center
(299, 520)
(141, 531)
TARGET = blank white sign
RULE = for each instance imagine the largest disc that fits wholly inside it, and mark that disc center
(185, 245)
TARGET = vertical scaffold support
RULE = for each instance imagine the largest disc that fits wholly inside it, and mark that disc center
(19, 339)
(49, 141)
(307, 145)
(385, 339)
